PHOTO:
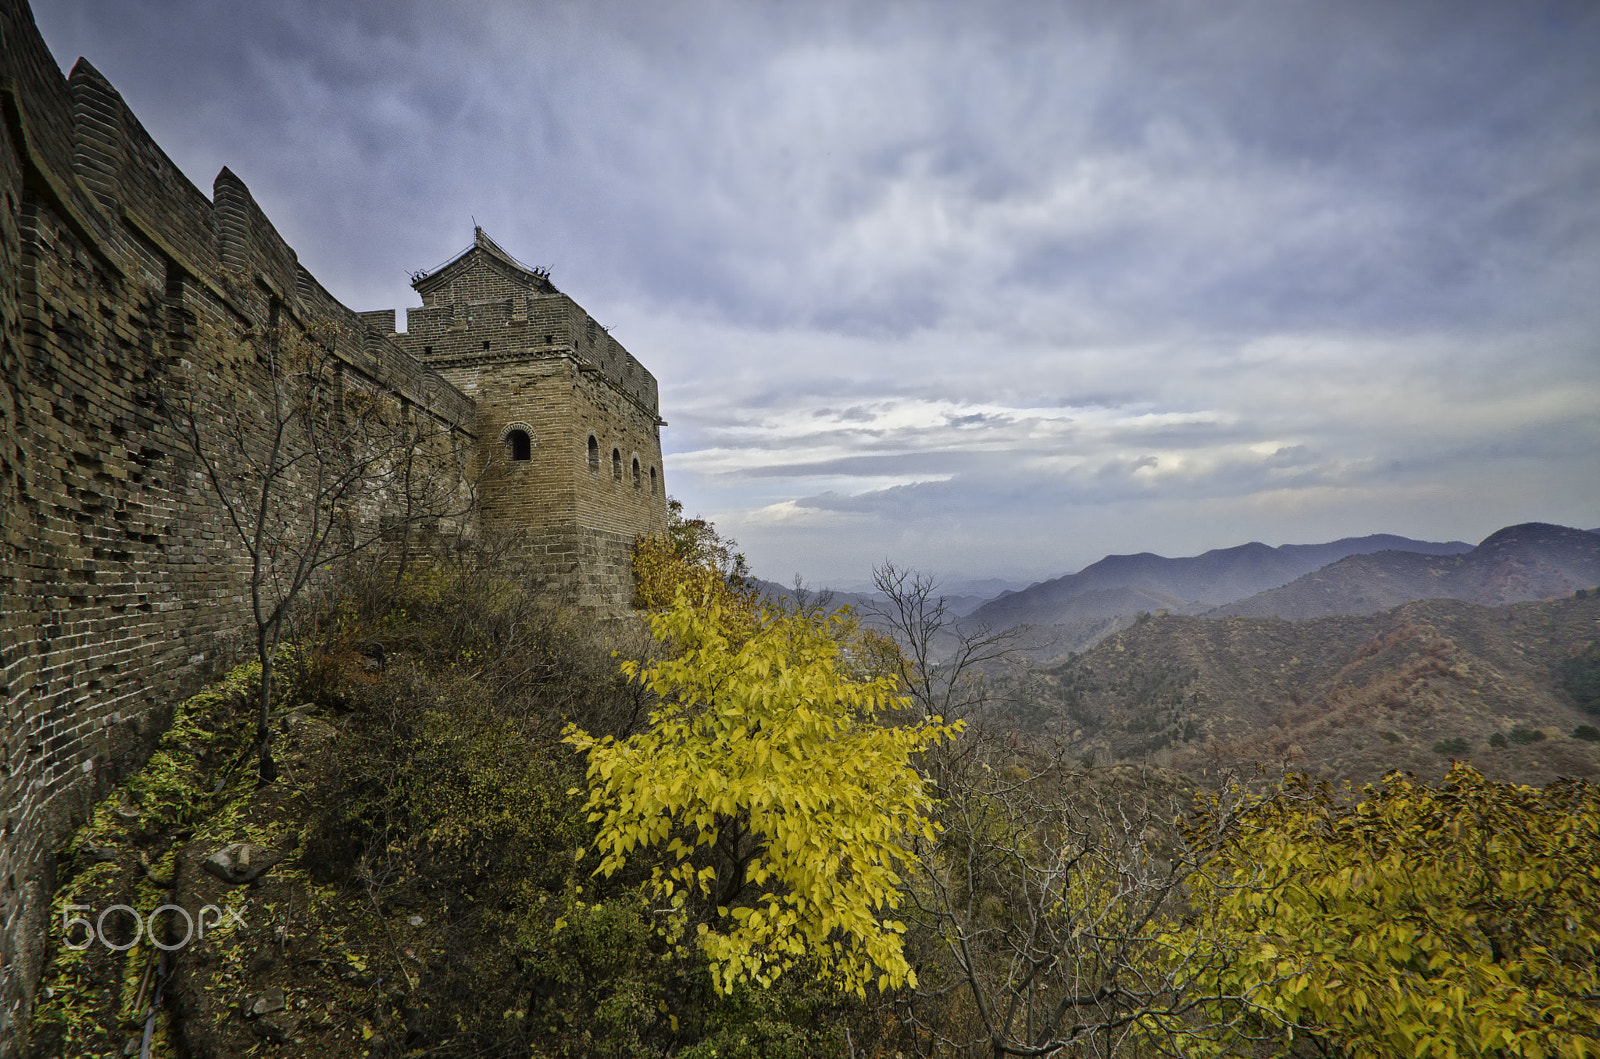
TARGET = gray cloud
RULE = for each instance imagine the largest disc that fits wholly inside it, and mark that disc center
(992, 288)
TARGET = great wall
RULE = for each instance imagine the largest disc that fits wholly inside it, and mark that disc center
(123, 591)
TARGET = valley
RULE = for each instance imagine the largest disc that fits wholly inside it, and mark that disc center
(1376, 653)
(1347, 698)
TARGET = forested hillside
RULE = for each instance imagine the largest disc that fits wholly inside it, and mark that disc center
(1346, 697)
(734, 830)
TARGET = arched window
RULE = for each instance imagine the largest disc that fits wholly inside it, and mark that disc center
(652, 481)
(519, 446)
(616, 464)
(636, 472)
(594, 455)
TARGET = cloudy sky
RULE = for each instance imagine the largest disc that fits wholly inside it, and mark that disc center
(991, 289)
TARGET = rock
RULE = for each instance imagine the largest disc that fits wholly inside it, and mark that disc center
(268, 1002)
(150, 872)
(278, 1028)
(240, 862)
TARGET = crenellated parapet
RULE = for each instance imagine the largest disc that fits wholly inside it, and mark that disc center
(484, 295)
(122, 589)
(569, 420)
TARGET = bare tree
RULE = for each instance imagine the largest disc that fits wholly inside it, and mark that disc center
(942, 663)
(1053, 901)
(310, 469)
(1067, 917)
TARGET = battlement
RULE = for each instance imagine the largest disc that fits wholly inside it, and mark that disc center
(483, 305)
(587, 452)
(122, 586)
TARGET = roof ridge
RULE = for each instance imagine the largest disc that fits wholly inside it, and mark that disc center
(482, 241)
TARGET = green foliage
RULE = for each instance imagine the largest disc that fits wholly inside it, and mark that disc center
(1526, 736)
(1453, 747)
(199, 740)
(1075, 682)
(697, 542)
(1460, 921)
(1587, 732)
(1498, 740)
(438, 850)
(779, 806)
(1391, 737)
(449, 795)
(1159, 685)
(1579, 677)
(446, 796)
(596, 982)
(786, 1021)
(194, 785)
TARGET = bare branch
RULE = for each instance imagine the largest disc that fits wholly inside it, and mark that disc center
(311, 469)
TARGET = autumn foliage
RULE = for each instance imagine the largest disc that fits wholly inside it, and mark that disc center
(693, 556)
(778, 811)
(1462, 920)
(775, 811)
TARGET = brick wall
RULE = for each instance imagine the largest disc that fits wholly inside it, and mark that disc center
(534, 361)
(122, 588)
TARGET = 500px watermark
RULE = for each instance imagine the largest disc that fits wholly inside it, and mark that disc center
(96, 929)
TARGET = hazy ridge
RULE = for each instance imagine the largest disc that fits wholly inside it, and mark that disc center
(1533, 560)
(1186, 585)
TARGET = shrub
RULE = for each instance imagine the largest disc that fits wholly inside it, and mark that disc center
(1392, 737)
(766, 790)
(1524, 736)
(446, 793)
(1454, 747)
(1579, 677)
(1587, 732)
(1457, 920)
(1498, 740)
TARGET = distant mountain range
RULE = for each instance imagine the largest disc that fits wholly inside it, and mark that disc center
(1353, 575)
(1127, 584)
(1356, 575)
(1347, 659)
(1531, 561)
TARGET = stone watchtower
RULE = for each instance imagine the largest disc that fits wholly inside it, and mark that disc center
(569, 436)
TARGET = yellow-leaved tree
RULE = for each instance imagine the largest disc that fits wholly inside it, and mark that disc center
(777, 808)
(1462, 920)
(691, 554)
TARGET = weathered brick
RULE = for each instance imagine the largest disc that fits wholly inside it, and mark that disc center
(122, 589)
